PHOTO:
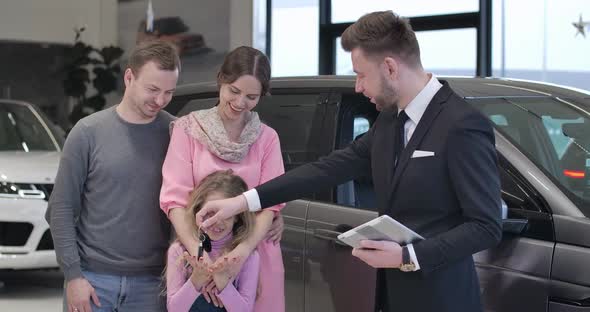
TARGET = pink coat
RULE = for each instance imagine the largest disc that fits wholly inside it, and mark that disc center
(188, 162)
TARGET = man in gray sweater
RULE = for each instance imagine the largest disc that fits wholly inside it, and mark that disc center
(109, 234)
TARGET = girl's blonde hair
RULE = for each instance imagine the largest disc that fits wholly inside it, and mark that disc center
(226, 183)
(229, 185)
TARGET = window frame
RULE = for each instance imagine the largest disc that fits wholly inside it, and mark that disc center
(481, 21)
(352, 105)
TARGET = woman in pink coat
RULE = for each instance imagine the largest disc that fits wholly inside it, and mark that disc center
(230, 136)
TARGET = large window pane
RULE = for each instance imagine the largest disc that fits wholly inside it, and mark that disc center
(443, 52)
(543, 45)
(295, 38)
(343, 62)
(344, 11)
(449, 52)
(259, 25)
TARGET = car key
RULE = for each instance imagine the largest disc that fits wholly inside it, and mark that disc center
(204, 244)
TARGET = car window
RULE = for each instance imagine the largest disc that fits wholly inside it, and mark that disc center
(22, 130)
(356, 116)
(516, 192)
(360, 126)
(364, 193)
(553, 133)
(197, 104)
(561, 142)
(291, 116)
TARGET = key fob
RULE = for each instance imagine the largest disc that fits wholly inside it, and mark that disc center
(204, 244)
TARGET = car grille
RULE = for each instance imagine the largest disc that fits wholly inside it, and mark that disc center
(14, 233)
(46, 242)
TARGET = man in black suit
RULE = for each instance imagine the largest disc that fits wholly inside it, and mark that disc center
(434, 168)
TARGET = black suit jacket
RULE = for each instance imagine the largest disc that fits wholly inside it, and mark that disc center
(451, 198)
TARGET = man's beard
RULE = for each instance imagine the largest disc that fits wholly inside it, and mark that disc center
(388, 98)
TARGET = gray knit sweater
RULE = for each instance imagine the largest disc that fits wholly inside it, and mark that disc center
(104, 210)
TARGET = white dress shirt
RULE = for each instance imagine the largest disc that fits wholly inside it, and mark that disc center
(414, 110)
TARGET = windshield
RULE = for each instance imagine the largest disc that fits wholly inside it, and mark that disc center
(554, 133)
(22, 130)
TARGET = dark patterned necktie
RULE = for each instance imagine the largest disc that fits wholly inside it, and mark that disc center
(399, 135)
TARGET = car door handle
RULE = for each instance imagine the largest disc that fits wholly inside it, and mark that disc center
(328, 235)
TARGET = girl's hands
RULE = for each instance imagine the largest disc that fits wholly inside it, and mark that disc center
(222, 274)
(223, 271)
(201, 274)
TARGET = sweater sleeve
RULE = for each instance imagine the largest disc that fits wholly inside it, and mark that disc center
(241, 298)
(66, 200)
(180, 291)
(177, 172)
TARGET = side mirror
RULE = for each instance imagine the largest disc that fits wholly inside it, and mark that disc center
(512, 226)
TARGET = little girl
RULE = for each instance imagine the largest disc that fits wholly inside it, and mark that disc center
(186, 276)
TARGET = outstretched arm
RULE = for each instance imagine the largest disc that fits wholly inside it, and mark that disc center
(336, 168)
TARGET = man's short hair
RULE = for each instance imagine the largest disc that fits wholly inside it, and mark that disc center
(383, 33)
(164, 54)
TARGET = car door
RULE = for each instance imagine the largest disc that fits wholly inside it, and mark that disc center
(336, 280)
(293, 251)
(536, 270)
(298, 117)
(570, 276)
(515, 275)
(544, 267)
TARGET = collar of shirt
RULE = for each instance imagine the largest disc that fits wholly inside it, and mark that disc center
(418, 105)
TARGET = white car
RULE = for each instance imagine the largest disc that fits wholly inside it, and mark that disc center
(30, 149)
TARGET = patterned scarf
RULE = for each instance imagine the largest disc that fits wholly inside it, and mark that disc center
(206, 127)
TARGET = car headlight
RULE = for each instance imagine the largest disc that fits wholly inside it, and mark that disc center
(20, 190)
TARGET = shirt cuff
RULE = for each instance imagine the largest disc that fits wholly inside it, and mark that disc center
(253, 200)
(413, 257)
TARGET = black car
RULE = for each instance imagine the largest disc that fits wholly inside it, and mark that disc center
(543, 143)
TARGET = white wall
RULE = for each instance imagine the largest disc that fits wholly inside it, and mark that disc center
(53, 21)
(241, 23)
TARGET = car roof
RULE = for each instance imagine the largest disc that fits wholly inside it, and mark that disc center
(467, 87)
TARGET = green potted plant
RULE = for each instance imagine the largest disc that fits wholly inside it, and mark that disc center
(81, 60)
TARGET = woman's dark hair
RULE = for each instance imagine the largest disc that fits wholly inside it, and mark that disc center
(245, 61)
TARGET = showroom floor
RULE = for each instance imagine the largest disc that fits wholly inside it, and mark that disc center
(25, 291)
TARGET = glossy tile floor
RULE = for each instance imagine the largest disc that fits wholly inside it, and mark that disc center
(24, 291)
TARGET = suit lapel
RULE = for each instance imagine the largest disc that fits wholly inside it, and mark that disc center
(432, 111)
